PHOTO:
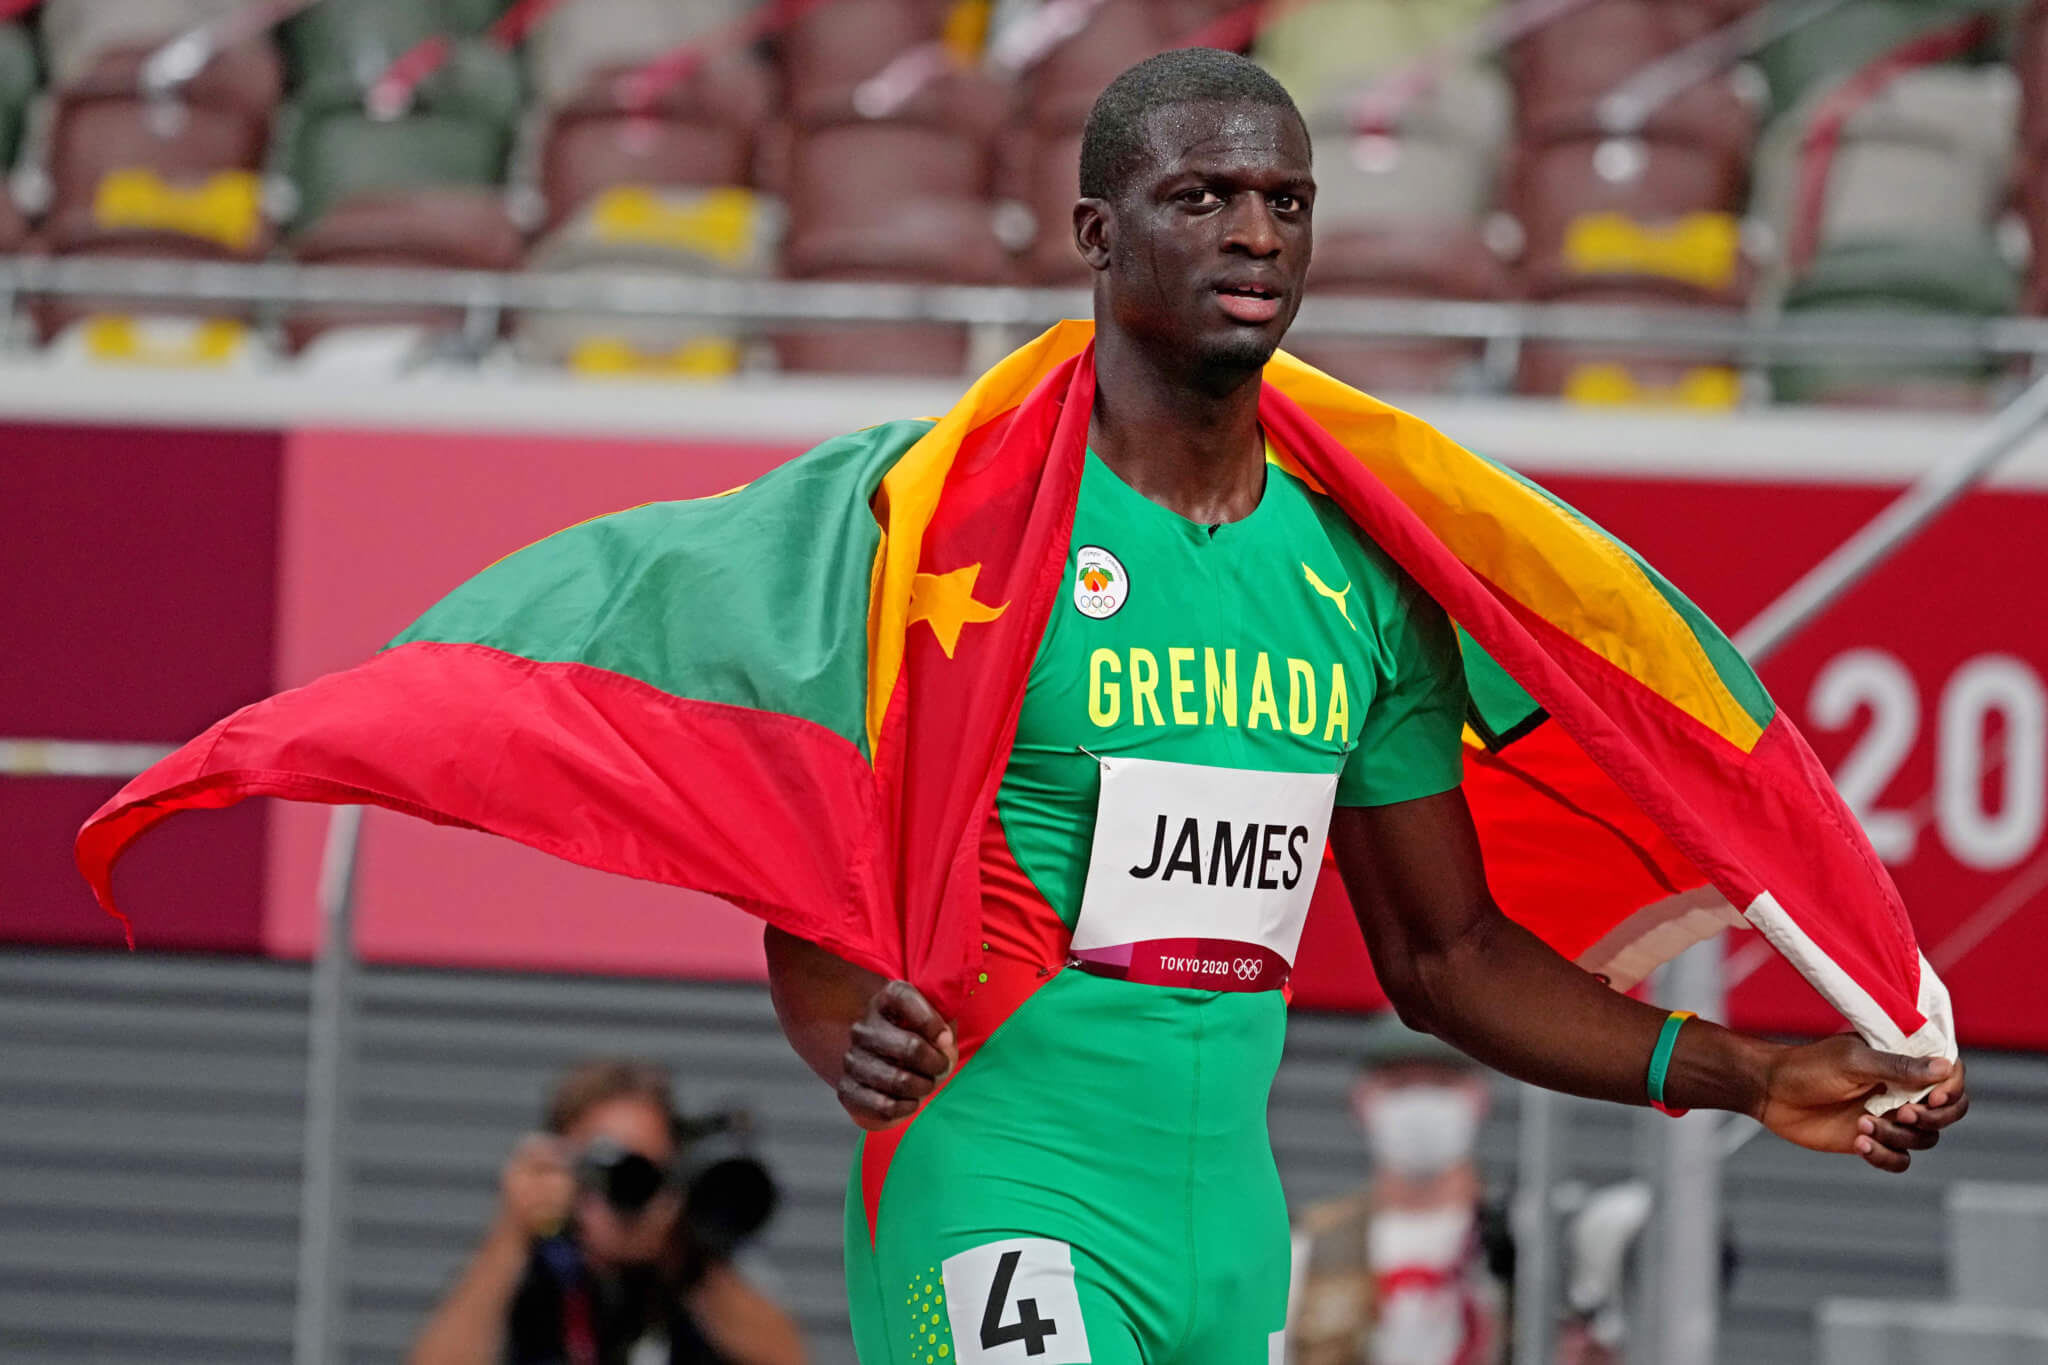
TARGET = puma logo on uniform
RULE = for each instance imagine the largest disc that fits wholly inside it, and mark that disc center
(1335, 595)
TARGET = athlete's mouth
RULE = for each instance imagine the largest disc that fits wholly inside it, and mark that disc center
(1249, 302)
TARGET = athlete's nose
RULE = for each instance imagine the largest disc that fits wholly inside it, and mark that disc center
(1249, 228)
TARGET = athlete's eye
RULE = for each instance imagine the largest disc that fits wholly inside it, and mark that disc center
(1287, 203)
(1201, 198)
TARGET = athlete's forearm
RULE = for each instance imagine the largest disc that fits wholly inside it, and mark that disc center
(1452, 963)
(1502, 995)
(818, 999)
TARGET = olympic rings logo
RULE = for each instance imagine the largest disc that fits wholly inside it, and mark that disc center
(1248, 969)
(1095, 601)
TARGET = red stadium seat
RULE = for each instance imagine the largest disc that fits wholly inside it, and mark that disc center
(1629, 376)
(834, 46)
(853, 173)
(926, 240)
(450, 227)
(1053, 187)
(1062, 87)
(700, 132)
(1557, 68)
(1618, 210)
(122, 164)
(54, 316)
(1406, 261)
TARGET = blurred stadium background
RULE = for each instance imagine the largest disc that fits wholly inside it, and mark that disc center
(315, 306)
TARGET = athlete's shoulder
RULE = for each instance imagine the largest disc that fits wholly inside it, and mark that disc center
(1346, 539)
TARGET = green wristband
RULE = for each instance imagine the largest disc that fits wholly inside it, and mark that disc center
(1660, 1060)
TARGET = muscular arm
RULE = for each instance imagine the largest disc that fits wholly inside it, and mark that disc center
(879, 1044)
(1454, 965)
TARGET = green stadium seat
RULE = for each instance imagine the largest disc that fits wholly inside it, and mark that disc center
(338, 49)
(1958, 278)
(18, 76)
(345, 153)
(1927, 160)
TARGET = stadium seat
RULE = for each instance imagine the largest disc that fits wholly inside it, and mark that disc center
(346, 153)
(1962, 278)
(1061, 88)
(1561, 67)
(114, 161)
(1595, 375)
(1050, 192)
(77, 33)
(833, 47)
(952, 240)
(158, 341)
(337, 48)
(1437, 165)
(701, 131)
(576, 40)
(450, 227)
(1926, 160)
(126, 330)
(1617, 210)
(852, 173)
(17, 87)
(1819, 54)
(726, 233)
(1423, 259)
(1320, 49)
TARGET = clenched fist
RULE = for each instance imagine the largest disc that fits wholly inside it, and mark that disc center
(901, 1049)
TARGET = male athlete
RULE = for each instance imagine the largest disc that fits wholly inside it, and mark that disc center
(1088, 1176)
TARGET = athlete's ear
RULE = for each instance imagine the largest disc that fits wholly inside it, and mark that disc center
(1094, 230)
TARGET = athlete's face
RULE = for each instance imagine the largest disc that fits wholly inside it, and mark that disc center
(1204, 252)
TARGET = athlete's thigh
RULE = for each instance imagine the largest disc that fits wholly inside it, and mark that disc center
(1243, 1262)
(952, 1277)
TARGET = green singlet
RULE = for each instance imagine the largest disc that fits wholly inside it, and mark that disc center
(1095, 1182)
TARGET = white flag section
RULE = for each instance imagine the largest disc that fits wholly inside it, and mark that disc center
(1934, 1038)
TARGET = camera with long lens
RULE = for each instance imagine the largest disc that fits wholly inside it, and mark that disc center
(728, 1195)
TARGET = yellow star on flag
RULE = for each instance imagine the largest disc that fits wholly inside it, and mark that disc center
(947, 601)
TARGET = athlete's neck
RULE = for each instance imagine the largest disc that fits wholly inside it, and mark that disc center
(1191, 446)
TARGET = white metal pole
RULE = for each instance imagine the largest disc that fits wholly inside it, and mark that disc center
(1537, 1133)
(1687, 1227)
(323, 1204)
(1886, 533)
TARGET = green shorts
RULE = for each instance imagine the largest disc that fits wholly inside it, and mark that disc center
(1095, 1183)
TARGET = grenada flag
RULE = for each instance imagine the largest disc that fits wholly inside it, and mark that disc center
(800, 696)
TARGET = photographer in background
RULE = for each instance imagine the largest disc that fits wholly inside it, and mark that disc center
(613, 1242)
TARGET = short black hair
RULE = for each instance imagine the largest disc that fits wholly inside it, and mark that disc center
(1113, 143)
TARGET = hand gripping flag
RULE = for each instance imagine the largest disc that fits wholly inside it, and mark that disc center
(800, 697)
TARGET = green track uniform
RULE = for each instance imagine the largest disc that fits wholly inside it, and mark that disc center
(1095, 1182)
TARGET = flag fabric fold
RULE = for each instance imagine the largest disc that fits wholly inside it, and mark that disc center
(800, 697)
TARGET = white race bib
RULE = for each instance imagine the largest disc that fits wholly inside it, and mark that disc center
(1201, 876)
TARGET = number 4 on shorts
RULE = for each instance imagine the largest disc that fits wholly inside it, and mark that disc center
(1013, 1303)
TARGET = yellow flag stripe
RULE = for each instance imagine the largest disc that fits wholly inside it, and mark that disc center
(1545, 559)
(910, 493)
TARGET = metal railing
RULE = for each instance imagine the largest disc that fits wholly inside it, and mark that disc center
(747, 304)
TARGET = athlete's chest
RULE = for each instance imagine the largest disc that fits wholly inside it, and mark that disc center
(1249, 647)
